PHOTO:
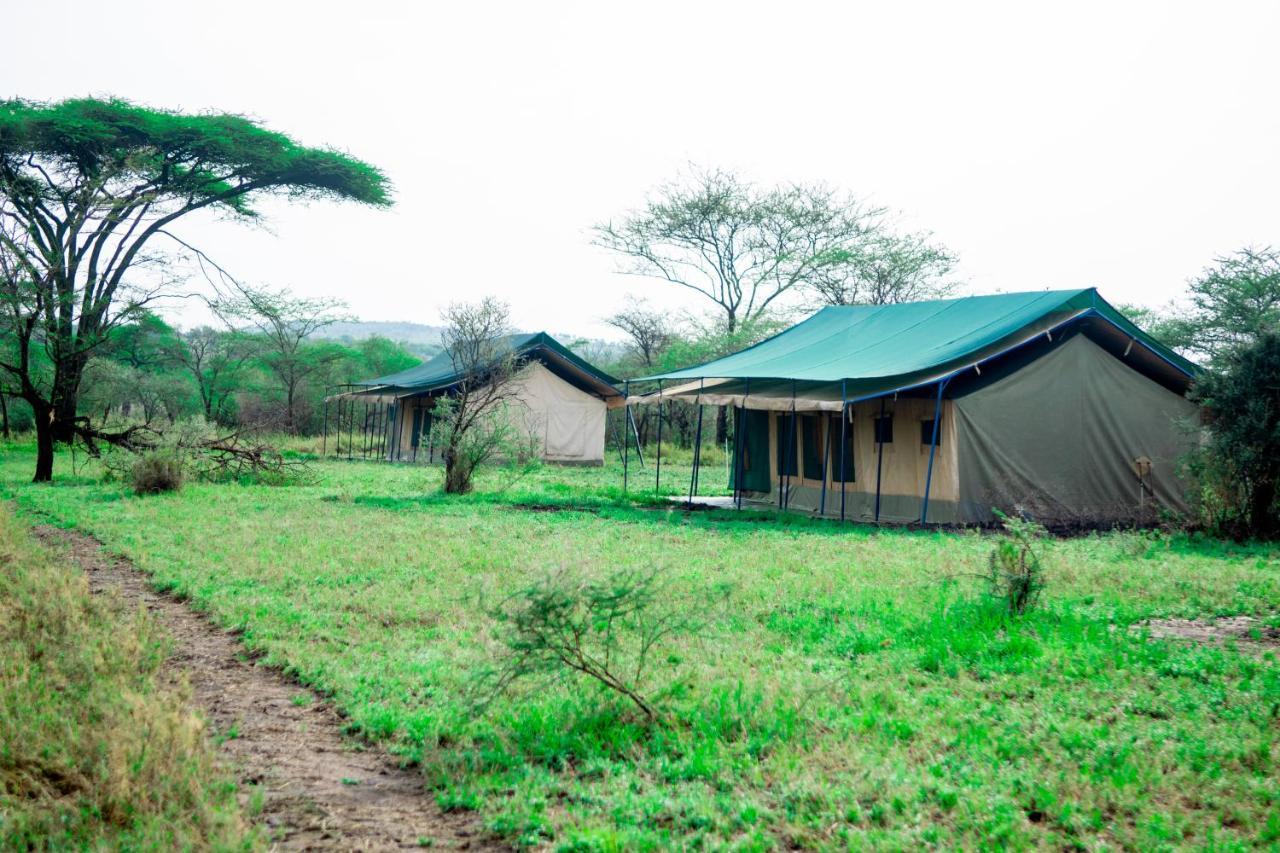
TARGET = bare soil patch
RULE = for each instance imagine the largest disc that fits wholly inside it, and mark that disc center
(321, 790)
(1246, 631)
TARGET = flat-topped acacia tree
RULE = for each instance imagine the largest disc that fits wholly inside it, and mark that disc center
(88, 190)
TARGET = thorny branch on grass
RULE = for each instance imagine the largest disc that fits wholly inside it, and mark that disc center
(607, 629)
(204, 454)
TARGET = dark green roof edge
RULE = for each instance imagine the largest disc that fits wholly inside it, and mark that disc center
(422, 377)
(1065, 303)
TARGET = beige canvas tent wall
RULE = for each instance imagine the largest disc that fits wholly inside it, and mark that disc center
(1048, 404)
(558, 408)
(556, 420)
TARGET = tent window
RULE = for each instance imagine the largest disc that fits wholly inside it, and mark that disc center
(415, 437)
(837, 476)
(884, 429)
(811, 434)
(926, 432)
(787, 449)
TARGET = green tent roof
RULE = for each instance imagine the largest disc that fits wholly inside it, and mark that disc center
(438, 372)
(881, 348)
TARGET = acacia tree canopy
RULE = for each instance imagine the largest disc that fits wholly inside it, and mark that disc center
(85, 187)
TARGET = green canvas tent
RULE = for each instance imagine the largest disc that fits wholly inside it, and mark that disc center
(1047, 403)
(560, 403)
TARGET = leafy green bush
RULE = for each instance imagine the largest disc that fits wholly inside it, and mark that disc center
(1238, 468)
(1015, 573)
(154, 473)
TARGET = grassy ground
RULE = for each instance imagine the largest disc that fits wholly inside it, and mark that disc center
(851, 687)
(95, 751)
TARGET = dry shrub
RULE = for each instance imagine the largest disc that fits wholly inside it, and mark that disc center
(154, 473)
(97, 754)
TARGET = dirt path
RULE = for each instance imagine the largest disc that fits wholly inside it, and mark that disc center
(1246, 632)
(322, 791)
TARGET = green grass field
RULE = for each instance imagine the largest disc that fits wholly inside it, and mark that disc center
(850, 687)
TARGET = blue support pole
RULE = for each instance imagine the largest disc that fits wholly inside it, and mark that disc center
(844, 444)
(785, 501)
(879, 459)
(933, 449)
(657, 477)
(739, 444)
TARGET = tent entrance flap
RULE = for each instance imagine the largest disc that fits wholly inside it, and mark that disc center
(753, 451)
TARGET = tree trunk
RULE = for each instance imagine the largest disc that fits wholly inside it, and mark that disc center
(44, 448)
(1262, 520)
(722, 425)
(4, 417)
(66, 392)
(457, 480)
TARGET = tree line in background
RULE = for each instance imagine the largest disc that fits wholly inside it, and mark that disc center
(149, 372)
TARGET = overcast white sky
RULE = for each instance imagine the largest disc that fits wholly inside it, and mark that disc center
(1117, 145)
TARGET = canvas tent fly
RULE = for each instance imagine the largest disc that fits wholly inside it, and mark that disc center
(560, 405)
(1051, 404)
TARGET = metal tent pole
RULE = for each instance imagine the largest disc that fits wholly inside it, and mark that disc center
(739, 443)
(635, 433)
(391, 433)
(844, 444)
(879, 434)
(364, 433)
(415, 438)
(324, 435)
(791, 448)
(337, 429)
(626, 442)
(697, 453)
(351, 425)
(933, 448)
(379, 429)
(657, 478)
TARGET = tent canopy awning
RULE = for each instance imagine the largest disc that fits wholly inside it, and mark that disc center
(438, 373)
(852, 352)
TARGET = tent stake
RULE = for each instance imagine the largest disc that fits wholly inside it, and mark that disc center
(933, 448)
(879, 434)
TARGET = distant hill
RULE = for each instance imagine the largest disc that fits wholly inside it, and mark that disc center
(424, 340)
(417, 337)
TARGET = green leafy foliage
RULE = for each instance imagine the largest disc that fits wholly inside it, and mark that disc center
(206, 156)
(1015, 574)
(1239, 466)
